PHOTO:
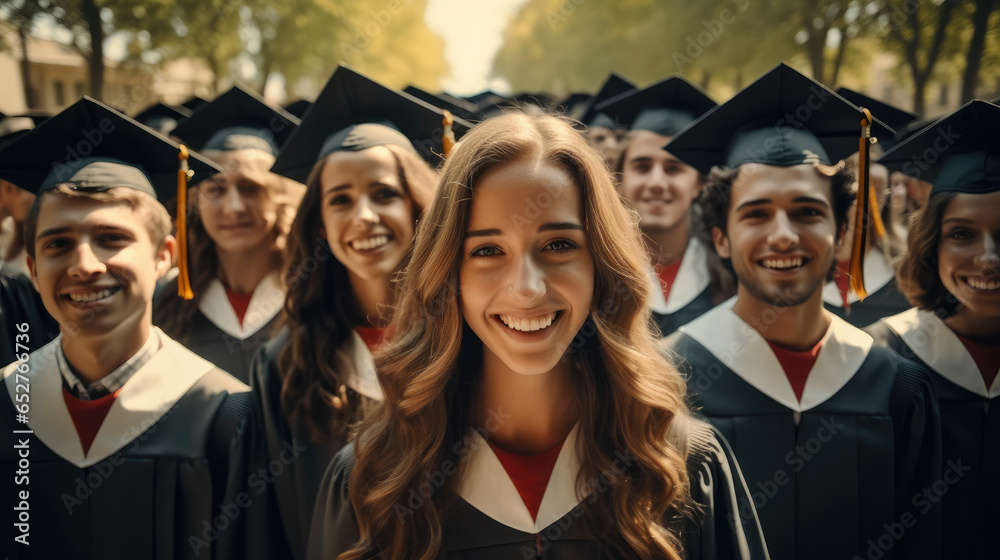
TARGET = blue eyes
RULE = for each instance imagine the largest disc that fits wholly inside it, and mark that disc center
(556, 246)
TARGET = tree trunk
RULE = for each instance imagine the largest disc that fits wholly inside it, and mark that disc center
(92, 16)
(30, 98)
(838, 62)
(970, 76)
(919, 87)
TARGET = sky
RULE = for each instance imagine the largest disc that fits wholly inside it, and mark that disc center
(473, 33)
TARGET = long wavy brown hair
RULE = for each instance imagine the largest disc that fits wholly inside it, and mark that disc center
(632, 398)
(320, 309)
(175, 319)
(918, 275)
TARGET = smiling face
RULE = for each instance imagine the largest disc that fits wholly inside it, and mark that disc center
(367, 214)
(235, 206)
(968, 260)
(781, 233)
(526, 283)
(95, 265)
(661, 186)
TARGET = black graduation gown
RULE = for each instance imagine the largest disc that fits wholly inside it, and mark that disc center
(691, 294)
(839, 474)
(970, 425)
(303, 460)
(20, 305)
(490, 521)
(884, 298)
(153, 481)
(216, 334)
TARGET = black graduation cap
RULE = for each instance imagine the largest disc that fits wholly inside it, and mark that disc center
(194, 103)
(489, 103)
(784, 118)
(238, 119)
(665, 107)
(575, 104)
(614, 86)
(354, 112)
(958, 153)
(162, 117)
(298, 108)
(458, 106)
(91, 146)
(538, 99)
(891, 115)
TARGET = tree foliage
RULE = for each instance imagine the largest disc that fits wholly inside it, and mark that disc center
(571, 45)
(302, 40)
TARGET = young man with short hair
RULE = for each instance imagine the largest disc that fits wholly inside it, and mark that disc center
(839, 441)
(122, 438)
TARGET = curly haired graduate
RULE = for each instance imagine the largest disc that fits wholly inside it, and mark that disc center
(527, 410)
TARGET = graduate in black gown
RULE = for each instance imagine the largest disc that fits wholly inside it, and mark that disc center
(687, 275)
(117, 439)
(238, 223)
(838, 438)
(529, 414)
(886, 239)
(952, 275)
(366, 187)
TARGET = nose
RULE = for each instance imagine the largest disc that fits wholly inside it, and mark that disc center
(527, 283)
(232, 201)
(988, 259)
(782, 236)
(86, 263)
(364, 213)
(658, 178)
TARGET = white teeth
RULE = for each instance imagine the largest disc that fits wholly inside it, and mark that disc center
(984, 284)
(370, 243)
(782, 263)
(92, 296)
(528, 325)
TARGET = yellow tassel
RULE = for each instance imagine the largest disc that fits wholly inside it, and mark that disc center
(183, 279)
(448, 141)
(865, 200)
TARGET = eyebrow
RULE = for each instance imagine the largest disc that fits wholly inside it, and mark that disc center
(798, 199)
(959, 220)
(53, 231)
(550, 226)
(374, 184)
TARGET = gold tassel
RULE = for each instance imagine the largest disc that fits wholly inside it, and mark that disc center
(865, 200)
(183, 279)
(448, 141)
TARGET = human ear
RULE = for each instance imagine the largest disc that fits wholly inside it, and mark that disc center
(721, 243)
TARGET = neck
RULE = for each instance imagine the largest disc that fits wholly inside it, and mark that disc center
(374, 297)
(94, 357)
(242, 271)
(525, 414)
(667, 246)
(979, 328)
(798, 327)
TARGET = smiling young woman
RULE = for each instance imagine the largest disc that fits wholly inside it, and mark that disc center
(527, 410)
(366, 186)
(238, 223)
(952, 277)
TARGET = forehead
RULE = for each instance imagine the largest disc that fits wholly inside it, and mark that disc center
(58, 211)
(341, 167)
(247, 161)
(780, 184)
(525, 192)
(646, 143)
(981, 208)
